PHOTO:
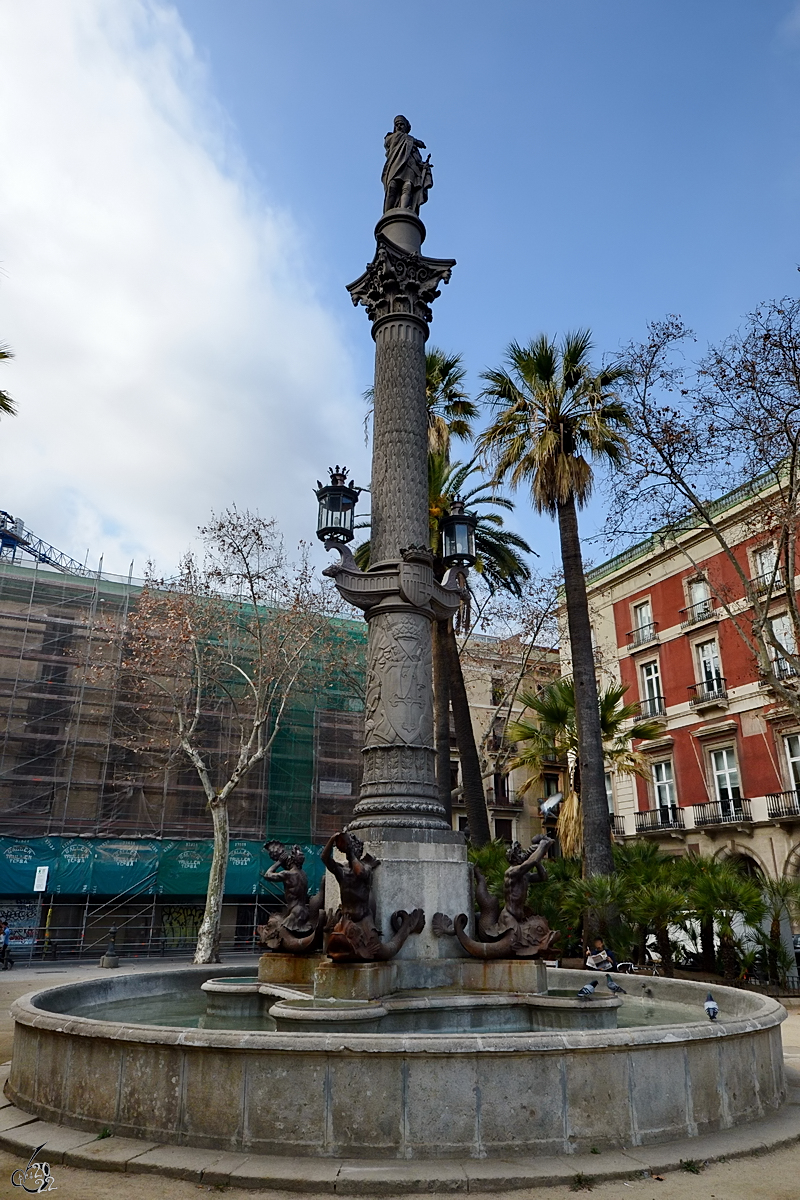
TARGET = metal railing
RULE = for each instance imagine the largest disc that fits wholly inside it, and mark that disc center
(722, 812)
(642, 634)
(707, 692)
(771, 581)
(617, 824)
(703, 610)
(782, 670)
(654, 819)
(783, 804)
(652, 706)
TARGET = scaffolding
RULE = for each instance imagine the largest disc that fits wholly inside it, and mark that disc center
(72, 791)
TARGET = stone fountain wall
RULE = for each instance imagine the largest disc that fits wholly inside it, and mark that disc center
(384, 1096)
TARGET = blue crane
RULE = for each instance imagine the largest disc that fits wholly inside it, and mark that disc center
(16, 540)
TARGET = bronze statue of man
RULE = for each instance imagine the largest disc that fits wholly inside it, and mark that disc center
(406, 177)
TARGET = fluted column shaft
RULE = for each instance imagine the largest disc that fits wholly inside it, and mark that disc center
(399, 785)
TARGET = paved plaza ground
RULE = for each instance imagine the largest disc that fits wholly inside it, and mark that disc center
(773, 1176)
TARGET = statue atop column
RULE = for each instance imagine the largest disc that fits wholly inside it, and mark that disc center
(406, 177)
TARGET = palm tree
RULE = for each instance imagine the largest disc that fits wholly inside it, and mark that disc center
(500, 564)
(554, 734)
(554, 409)
(782, 900)
(450, 410)
(658, 904)
(717, 894)
(7, 406)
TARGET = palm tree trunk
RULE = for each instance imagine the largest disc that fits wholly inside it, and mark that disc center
(441, 711)
(598, 858)
(665, 950)
(471, 780)
(707, 951)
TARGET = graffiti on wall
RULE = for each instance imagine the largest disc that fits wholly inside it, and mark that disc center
(180, 924)
(23, 920)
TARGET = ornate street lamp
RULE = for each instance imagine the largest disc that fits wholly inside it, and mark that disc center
(337, 506)
(458, 536)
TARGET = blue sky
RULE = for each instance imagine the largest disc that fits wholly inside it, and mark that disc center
(596, 163)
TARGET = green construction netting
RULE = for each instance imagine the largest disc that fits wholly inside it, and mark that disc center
(137, 866)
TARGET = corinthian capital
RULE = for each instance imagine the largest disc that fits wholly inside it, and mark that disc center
(397, 283)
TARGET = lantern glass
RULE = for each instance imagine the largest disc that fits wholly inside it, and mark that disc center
(458, 540)
(337, 506)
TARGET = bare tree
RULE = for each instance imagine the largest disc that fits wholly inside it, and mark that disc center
(228, 642)
(715, 447)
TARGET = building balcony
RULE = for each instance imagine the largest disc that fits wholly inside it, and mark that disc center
(722, 812)
(642, 634)
(703, 610)
(660, 820)
(772, 581)
(783, 805)
(782, 669)
(711, 693)
(652, 706)
(617, 824)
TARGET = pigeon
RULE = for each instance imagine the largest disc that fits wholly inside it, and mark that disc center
(549, 807)
(587, 991)
(615, 987)
(711, 1007)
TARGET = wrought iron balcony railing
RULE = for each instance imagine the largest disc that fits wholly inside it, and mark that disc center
(782, 669)
(703, 610)
(783, 804)
(772, 580)
(722, 812)
(617, 824)
(652, 706)
(642, 634)
(710, 691)
(656, 819)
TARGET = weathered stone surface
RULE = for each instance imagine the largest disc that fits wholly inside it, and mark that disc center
(107, 1154)
(589, 1091)
(150, 1091)
(431, 1096)
(365, 1114)
(24, 1139)
(286, 1104)
(178, 1162)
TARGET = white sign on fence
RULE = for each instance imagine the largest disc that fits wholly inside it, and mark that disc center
(40, 882)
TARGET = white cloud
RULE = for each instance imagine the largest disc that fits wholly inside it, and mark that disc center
(170, 355)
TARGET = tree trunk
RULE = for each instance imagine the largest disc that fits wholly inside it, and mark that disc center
(665, 950)
(598, 858)
(729, 961)
(441, 719)
(708, 958)
(207, 949)
(471, 779)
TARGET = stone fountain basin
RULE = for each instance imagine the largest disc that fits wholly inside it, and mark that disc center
(402, 1095)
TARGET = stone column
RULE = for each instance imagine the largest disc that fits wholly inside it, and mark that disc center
(399, 816)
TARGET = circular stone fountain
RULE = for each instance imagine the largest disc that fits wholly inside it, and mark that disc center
(409, 1075)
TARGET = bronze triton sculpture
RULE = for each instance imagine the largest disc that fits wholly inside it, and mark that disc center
(298, 927)
(514, 931)
(353, 934)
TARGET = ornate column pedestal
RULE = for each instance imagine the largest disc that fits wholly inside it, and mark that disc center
(399, 817)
